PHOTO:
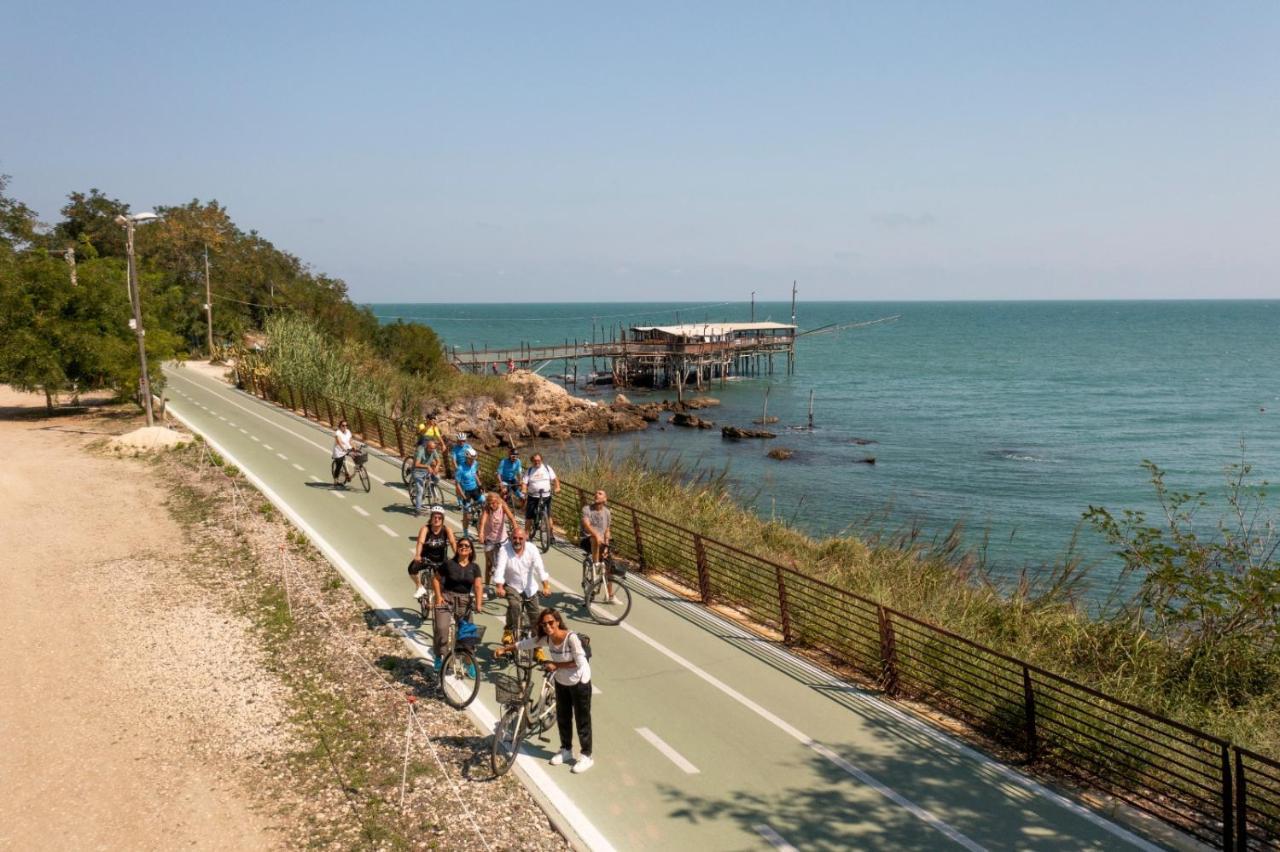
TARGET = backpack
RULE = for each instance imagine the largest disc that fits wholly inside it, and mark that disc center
(586, 643)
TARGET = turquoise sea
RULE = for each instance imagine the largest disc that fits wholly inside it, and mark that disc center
(1013, 417)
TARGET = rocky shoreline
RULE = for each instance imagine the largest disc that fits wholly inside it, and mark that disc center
(542, 410)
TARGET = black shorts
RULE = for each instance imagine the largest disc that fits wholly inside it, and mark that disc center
(531, 505)
(472, 495)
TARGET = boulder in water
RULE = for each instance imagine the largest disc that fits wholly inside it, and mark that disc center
(735, 433)
(780, 453)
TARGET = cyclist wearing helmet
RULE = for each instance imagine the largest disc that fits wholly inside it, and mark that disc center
(510, 472)
(434, 541)
(426, 467)
(458, 452)
(466, 481)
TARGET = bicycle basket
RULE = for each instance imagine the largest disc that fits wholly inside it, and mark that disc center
(470, 635)
(362, 456)
(507, 689)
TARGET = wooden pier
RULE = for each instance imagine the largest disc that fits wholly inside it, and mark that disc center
(693, 354)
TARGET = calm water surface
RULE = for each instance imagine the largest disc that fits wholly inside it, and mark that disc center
(1013, 417)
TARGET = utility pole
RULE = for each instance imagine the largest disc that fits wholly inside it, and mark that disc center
(793, 303)
(753, 305)
(208, 301)
(70, 255)
(144, 381)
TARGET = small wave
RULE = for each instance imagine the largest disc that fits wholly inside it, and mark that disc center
(1019, 456)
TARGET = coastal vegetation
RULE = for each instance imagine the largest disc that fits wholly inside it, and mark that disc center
(1198, 640)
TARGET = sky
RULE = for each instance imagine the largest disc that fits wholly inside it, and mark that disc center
(698, 151)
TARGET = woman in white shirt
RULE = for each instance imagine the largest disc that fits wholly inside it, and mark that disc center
(568, 660)
(341, 446)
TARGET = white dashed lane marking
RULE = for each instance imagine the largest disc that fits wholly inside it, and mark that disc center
(297, 466)
(361, 511)
(282, 456)
(671, 754)
(773, 838)
(339, 495)
(386, 529)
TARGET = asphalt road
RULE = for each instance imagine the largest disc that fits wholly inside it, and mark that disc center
(706, 737)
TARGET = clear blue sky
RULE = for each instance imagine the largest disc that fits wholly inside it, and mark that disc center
(685, 150)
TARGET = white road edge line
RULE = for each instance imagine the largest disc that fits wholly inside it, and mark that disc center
(668, 752)
(360, 510)
(983, 761)
(773, 838)
(530, 765)
(386, 529)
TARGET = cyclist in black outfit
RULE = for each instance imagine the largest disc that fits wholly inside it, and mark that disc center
(432, 550)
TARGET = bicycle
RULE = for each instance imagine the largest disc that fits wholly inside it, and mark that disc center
(459, 660)
(522, 712)
(471, 508)
(595, 575)
(540, 523)
(427, 602)
(432, 493)
(359, 457)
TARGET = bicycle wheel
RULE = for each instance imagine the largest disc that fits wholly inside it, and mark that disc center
(603, 612)
(545, 537)
(459, 679)
(590, 585)
(507, 737)
(436, 494)
(406, 470)
(543, 713)
(364, 479)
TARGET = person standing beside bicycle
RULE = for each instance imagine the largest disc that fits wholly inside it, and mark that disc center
(539, 484)
(496, 522)
(429, 554)
(457, 585)
(567, 659)
(341, 447)
(426, 468)
(597, 532)
(519, 577)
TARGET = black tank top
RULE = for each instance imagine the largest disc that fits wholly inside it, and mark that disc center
(435, 547)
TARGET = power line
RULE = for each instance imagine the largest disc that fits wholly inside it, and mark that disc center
(558, 318)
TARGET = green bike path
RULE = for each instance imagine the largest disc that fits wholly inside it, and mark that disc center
(706, 736)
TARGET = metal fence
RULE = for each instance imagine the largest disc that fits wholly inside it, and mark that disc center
(1221, 794)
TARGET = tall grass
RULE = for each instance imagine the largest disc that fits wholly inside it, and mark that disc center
(1041, 619)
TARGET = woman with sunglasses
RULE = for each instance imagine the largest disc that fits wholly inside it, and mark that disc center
(457, 585)
(568, 660)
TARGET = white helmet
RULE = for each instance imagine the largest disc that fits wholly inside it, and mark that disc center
(461, 436)
(471, 452)
(437, 510)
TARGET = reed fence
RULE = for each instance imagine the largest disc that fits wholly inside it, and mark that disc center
(1221, 794)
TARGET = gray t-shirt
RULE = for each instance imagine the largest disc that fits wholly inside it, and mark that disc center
(598, 518)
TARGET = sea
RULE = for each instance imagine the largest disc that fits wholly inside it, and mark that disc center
(1010, 418)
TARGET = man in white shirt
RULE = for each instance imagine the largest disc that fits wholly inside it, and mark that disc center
(520, 567)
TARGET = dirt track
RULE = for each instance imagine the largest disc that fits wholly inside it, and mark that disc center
(105, 704)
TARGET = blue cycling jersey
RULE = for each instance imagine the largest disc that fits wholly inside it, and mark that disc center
(509, 470)
(459, 454)
(468, 476)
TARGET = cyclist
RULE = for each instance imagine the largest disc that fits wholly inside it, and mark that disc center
(466, 482)
(426, 467)
(496, 520)
(432, 549)
(429, 431)
(568, 660)
(597, 531)
(539, 484)
(341, 446)
(458, 452)
(456, 584)
(520, 567)
(510, 471)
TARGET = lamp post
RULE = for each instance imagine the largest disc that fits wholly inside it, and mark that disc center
(128, 223)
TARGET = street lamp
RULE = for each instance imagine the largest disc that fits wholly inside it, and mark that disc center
(128, 222)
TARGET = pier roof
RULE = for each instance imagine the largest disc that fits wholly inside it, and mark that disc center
(712, 328)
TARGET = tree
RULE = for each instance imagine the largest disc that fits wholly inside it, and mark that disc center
(18, 222)
(413, 348)
(91, 218)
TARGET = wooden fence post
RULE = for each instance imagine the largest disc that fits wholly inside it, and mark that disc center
(783, 608)
(888, 654)
(1029, 716)
(635, 526)
(704, 575)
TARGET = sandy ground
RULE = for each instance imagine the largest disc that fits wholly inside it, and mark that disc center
(105, 703)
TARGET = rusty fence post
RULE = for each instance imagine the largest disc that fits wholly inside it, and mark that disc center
(888, 654)
(1029, 716)
(635, 526)
(1242, 805)
(360, 422)
(704, 574)
(1228, 800)
(783, 608)
(399, 439)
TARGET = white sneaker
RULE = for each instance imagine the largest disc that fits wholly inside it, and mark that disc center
(562, 756)
(583, 764)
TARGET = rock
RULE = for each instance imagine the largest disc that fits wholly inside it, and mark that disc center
(862, 442)
(681, 418)
(621, 400)
(780, 453)
(867, 460)
(735, 433)
(701, 402)
(765, 421)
